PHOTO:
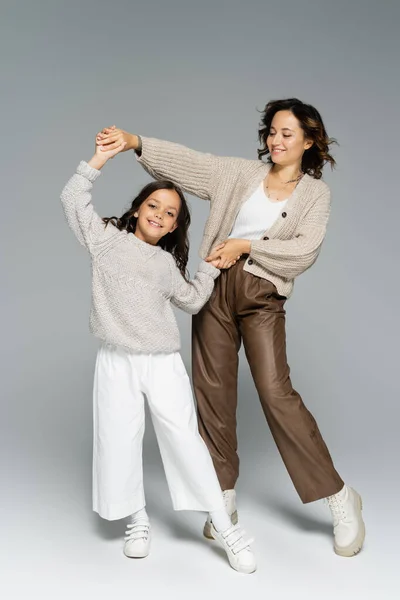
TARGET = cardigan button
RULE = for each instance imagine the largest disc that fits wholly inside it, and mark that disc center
(249, 262)
(266, 238)
(284, 214)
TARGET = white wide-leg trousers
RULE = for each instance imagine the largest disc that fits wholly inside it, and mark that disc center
(122, 381)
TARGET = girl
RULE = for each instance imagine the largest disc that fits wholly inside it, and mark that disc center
(139, 270)
(275, 215)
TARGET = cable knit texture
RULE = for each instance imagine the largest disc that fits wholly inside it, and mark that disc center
(295, 239)
(134, 284)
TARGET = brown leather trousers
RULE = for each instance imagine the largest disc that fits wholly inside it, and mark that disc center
(249, 308)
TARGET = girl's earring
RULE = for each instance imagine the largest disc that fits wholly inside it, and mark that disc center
(136, 215)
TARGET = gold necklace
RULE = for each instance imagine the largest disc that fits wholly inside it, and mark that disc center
(284, 183)
(293, 180)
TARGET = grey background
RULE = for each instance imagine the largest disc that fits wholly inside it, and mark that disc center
(195, 72)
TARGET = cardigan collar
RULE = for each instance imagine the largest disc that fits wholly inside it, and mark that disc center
(295, 197)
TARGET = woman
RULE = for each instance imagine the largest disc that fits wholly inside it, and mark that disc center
(266, 226)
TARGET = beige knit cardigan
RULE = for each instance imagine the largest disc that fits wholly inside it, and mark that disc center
(287, 249)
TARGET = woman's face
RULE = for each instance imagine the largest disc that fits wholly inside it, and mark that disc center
(286, 141)
(157, 216)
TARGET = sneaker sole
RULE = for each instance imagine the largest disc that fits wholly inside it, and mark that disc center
(207, 527)
(248, 571)
(355, 547)
(136, 555)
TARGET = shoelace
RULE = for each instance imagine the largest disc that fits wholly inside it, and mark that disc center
(234, 538)
(137, 531)
(336, 506)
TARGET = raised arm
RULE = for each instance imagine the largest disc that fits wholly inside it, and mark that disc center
(192, 295)
(195, 172)
(76, 199)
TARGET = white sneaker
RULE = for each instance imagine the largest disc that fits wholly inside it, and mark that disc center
(240, 555)
(138, 539)
(348, 524)
(230, 505)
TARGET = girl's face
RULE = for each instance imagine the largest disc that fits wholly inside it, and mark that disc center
(157, 216)
(286, 142)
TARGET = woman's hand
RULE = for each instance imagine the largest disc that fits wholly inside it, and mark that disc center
(111, 138)
(228, 253)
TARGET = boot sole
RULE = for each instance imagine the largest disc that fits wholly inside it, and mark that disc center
(355, 547)
(207, 527)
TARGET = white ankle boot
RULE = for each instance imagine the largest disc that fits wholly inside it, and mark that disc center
(230, 506)
(138, 539)
(348, 524)
(237, 548)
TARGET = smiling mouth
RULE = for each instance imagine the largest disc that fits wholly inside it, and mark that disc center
(277, 150)
(154, 224)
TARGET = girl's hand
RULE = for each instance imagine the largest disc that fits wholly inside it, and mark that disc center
(111, 138)
(229, 252)
(214, 263)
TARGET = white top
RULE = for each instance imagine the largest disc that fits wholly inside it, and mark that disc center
(256, 216)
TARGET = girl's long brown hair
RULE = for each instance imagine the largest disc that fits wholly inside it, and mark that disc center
(177, 242)
(311, 122)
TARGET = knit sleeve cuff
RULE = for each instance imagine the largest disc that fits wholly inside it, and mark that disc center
(138, 151)
(209, 269)
(87, 171)
(147, 146)
(256, 246)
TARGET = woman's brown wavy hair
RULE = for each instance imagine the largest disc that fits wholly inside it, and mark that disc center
(311, 122)
(177, 242)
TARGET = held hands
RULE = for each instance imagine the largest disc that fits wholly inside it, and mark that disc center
(214, 263)
(225, 255)
(103, 154)
(111, 138)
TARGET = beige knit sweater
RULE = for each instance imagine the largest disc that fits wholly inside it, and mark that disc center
(293, 242)
(134, 284)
